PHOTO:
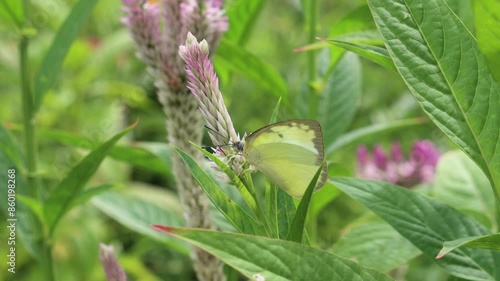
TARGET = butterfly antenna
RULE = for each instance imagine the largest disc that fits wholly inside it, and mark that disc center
(219, 134)
(218, 146)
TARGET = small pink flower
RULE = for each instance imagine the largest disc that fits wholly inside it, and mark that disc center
(393, 168)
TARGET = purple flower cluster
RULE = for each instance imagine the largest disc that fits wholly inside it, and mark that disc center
(418, 168)
(159, 27)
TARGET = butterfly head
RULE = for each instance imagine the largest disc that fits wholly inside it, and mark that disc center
(238, 145)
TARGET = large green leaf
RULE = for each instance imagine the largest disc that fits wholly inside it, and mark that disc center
(487, 17)
(442, 65)
(322, 198)
(374, 244)
(340, 98)
(463, 9)
(53, 60)
(461, 184)
(261, 258)
(427, 224)
(138, 213)
(69, 189)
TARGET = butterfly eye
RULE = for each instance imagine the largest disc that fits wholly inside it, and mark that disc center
(239, 145)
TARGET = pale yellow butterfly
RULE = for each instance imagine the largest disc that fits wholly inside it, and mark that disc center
(289, 153)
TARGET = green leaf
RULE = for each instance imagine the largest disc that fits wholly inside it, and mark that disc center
(357, 25)
(281, 210)
(12, 10)
(90, 192)
(374, 244)
(27, 223)
(272, 211)
(236, 181)
(322, 198)
(242, 15)
(9, 147)
(53, 60)
(296, 231)
(274, 116)
(442, 65)
(137, 214)
(372, 130)
(153, 156)
(277, 260)
(482, 242)
(340, 98)
(374, 53)
(356, 21)
(427, 224)
(34, 205)
(135, 155)
(463, 9)
(487, 17)
(240, 219)
(69, 189)
(460, 183)
(248, 65)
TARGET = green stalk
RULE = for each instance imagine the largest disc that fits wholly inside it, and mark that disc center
(28, 120)
(311, 55)
(30, 140)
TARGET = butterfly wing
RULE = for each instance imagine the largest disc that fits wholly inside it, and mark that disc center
(289, 153)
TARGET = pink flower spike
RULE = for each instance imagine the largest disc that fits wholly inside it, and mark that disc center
(424, 153)
(379, 157)
(204, 84)
(419, 168)
(362, 156)
(134, 3)
(112, 268)
(396, 152)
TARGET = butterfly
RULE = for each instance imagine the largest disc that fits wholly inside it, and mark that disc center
(289, 153)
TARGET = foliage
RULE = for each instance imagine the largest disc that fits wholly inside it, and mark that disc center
(78, 88)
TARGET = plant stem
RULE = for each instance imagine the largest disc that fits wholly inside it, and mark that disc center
(28, 120)
(30, 141)
(496, 225)
(311, 56)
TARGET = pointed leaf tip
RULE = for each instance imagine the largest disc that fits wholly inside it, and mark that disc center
(163, 228)
(135, 123)
(440, 255)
